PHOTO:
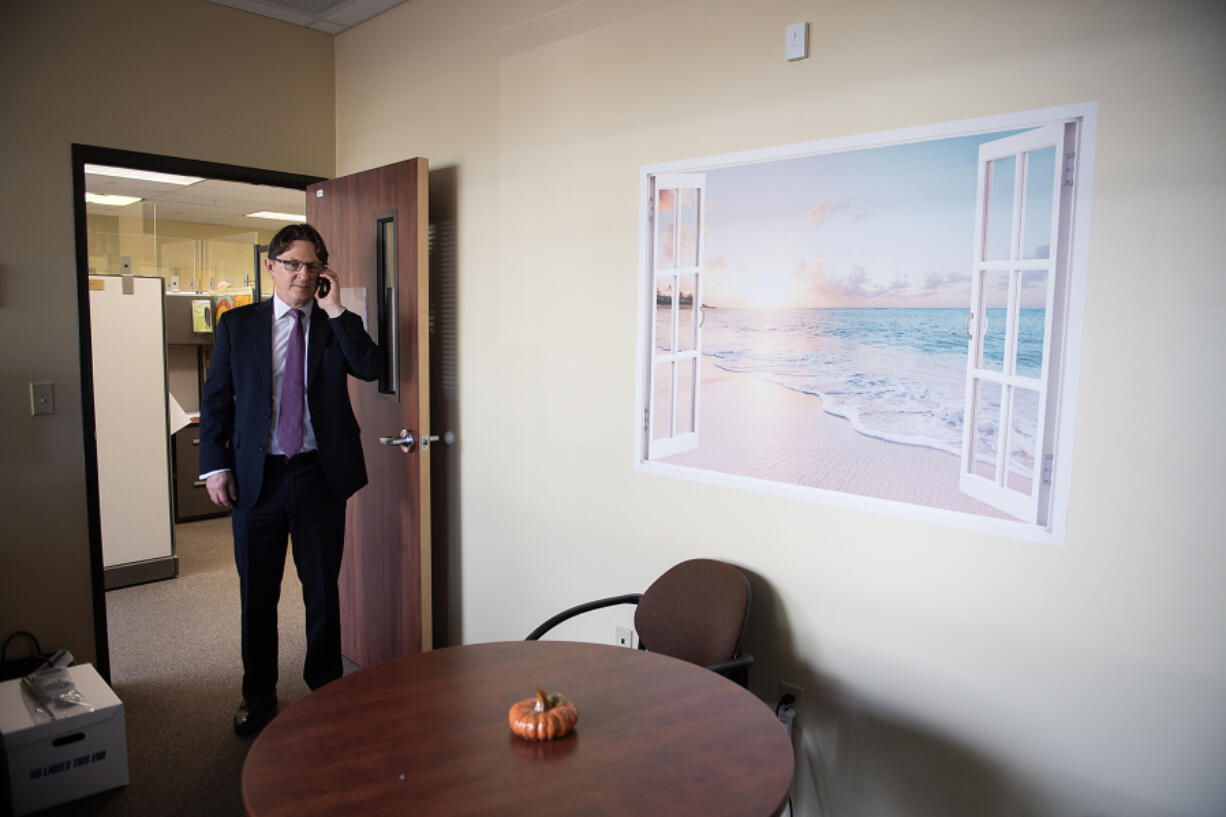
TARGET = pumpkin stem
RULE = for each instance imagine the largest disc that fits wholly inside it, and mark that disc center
(543, 704)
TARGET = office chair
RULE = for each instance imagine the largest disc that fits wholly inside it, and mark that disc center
(696, 611)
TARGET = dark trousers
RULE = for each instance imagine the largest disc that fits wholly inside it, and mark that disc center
(294, 502)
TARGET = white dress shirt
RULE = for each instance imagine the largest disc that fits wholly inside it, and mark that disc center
(282, 325)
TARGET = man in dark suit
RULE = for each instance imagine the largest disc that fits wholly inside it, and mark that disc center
(279, 446)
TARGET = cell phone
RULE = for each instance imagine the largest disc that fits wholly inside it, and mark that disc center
(323, 287)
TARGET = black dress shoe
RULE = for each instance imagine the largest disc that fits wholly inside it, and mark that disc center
(250, 718)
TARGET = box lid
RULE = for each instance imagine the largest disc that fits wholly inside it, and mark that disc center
(18, 726)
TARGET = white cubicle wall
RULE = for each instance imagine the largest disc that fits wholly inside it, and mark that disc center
(130, 411)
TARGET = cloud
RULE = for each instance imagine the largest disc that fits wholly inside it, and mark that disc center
(817, 215)
(942, 280)
(832, 290)
(666, 248)
(688, 247)
(667, 201)
(818, 284)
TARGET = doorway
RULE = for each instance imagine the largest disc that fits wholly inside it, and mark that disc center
(212, 263)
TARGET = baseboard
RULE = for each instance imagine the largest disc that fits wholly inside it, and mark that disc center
(150, 570)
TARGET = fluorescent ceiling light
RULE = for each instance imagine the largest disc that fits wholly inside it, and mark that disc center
(142, 175)
(277, 216)
(110, 200)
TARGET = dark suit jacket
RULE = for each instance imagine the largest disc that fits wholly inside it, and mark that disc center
(236, 404)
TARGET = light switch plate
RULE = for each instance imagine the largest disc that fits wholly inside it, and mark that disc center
(796, 45)
(42, 398)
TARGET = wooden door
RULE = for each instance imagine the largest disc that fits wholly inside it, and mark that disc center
(375, 225)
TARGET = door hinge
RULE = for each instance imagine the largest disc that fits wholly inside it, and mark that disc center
(1047, 464)
(646, 420)
(1070, 166)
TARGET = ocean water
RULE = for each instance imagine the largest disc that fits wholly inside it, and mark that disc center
(894, 374)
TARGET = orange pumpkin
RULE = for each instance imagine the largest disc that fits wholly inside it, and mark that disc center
(545, 717)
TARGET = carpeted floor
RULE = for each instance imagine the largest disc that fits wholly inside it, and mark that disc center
(176, 665)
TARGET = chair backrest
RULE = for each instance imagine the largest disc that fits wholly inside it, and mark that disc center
(696, 611)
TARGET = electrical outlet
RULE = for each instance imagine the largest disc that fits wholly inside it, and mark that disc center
(42, 398)
(624, 637)
(791, 689)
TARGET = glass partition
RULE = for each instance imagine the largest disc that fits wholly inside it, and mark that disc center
(181, 260)
(191, 255)
(126, 232)
(227, 260)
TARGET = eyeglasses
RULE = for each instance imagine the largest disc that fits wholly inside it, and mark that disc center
(294, 265)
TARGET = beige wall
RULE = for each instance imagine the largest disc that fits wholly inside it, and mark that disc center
(946, 672)
(188, 79)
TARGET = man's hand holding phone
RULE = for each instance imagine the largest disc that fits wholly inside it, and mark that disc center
(328, 293)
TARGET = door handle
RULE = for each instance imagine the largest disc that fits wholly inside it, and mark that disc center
(405, 440)
(448, 439)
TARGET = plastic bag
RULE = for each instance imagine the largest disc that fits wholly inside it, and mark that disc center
(54, 693)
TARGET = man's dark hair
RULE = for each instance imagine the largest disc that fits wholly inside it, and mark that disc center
(298, 232)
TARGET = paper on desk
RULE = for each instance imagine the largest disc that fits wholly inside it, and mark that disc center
(178, 417)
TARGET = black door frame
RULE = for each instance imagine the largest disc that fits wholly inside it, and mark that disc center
(81, 156)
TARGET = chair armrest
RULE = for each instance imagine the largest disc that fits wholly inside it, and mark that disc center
(629, 598)
(726, 667)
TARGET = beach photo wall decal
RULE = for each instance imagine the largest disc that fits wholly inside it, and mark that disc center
(894, 319)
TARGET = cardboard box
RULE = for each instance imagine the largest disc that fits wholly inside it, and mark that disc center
(62, 760)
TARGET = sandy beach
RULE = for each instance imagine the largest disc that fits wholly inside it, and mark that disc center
(753, 428)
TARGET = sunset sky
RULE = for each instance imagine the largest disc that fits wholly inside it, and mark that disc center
(879, 227)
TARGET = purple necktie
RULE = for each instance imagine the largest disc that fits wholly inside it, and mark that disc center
(289, 423)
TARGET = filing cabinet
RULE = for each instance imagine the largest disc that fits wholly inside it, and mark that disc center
(191, 498)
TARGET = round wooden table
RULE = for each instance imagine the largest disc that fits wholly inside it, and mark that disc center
(428, 735)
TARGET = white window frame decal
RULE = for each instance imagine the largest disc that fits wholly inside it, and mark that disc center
(1023, 478)
(674, 397)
